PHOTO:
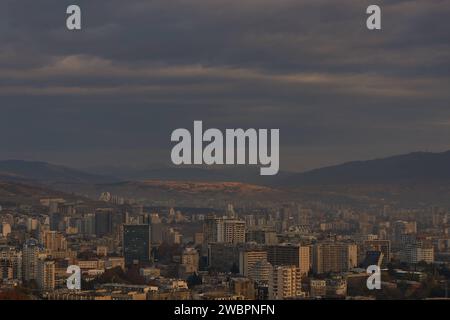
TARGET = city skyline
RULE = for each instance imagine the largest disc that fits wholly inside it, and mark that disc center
(240, 154)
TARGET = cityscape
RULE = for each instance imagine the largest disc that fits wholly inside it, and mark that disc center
(226, 150)
(130, 249)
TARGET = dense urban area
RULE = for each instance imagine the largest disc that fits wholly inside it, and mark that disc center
(308, 250)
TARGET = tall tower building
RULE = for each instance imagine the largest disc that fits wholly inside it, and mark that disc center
(46, 275)
(103, 222)
(55, 221)
(30, 254)
(10, 263)
(88, 224)
(136, 243)
(210, 229)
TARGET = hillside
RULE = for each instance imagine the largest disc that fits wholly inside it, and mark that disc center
(35, 171)
(415, 168)
(20, 193)
(190, 193)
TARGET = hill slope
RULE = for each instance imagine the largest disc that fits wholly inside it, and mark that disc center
(20, 193)
(35, 171)
(417, 167)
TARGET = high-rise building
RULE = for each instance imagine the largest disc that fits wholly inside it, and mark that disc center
(10, 263)
(234, 231)
(334, 257)
(103, 222)
(290, 254)
(248, 259)
(30, 255)
(136, 243)
(190, 260)
(210, 229)
(262, 236)
(417, 252)
(88, 224)
(260, 272)
(157, 232)
(285, 283)
(46, 275)
(223, 257)
(55, 220)
(224, 230)
(55, 241)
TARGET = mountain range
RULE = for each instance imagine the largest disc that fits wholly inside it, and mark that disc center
(46, 173)
(420, 177)
(416, 167)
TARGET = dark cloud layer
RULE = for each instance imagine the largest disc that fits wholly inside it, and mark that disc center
(139, 69)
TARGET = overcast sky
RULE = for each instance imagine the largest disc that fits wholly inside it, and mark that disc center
(112, 93)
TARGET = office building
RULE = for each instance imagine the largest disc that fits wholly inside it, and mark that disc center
(223, 257)
(417, 252)
(10, 263)
(285, 283)
(248, 259)
(54, 241)
(190, 260)
(334, 257)
(223, 230)
(290, 254)
(136, 243)
(46, 275)
(30, 255)
(103, 222)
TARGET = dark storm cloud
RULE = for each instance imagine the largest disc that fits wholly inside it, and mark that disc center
(139, 69)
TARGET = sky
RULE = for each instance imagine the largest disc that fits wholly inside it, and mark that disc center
(112, 93)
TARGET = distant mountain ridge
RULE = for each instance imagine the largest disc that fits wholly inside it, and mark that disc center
(416, 167)
(43, 172)
(244, 174)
